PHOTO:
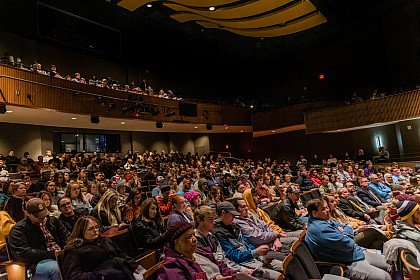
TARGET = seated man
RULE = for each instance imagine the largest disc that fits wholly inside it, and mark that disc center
(305, 183)
(236, 245)
(156, 192)
(257, 231)
(209, 251)
(379, 189)
(333, 242)
(35, 239)
(351, 207)
(287, 217)
(186, 185)
(326, 186)
(165, 201)
(68, 217)
(368, 197)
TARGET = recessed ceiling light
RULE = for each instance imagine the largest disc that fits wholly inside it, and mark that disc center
(195, 126)
(9, 111)
(226, 127)
(212, 8)
(242, 131)
(273, 131)
(74, 118)
(149, 5)
(122, 122)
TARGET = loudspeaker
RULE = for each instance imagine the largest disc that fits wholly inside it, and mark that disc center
(94, 119)
(2, 108)
(159, 124)
(209, 126)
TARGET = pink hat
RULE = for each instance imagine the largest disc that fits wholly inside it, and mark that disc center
(191, 195)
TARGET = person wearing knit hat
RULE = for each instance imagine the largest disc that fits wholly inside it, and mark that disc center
(407, 229)
(179, 262)
(194, 200)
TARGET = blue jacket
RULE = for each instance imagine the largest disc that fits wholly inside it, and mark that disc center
(328, 243)
(380, 190)
(235, 245)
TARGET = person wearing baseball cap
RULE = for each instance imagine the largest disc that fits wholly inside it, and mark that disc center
(235, 245)
(287, 218)
(35, 239)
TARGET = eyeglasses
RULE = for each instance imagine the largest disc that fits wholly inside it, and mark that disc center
(65, 204)
(93, 228)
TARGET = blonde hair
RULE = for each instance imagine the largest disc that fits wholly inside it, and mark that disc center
(104, 203)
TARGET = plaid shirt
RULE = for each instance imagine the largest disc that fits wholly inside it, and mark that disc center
(51, 244)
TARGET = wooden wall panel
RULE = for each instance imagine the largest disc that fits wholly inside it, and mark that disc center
(71, 97)
(382, 110)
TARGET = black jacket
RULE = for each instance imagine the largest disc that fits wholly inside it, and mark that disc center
(368, 198)
(286, 216)
(27, 242)
(69, 222)
(148, 235)
(94, 260)
(305, 183)
(350, 209)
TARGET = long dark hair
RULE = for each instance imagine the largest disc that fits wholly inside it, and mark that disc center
(77, 235)
(144, 211)
(14, 207)
(130, 199)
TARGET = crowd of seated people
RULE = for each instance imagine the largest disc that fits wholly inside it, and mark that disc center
(143, 88)
(208, 215)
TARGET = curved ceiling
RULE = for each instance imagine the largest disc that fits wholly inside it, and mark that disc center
(252, 18)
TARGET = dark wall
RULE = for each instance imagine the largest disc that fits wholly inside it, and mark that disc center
(291, 145)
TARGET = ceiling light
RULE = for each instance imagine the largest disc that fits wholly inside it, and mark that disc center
(226, 127)
(242, 131)
(195, 126)
(273, 131)
(149, 5)
(122, 122)
(212, 8)
(73, 118)
(9, 111)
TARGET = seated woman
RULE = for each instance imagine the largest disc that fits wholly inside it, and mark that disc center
(19, 189)
(194, 201)
(13, 213)
(132, 205)
(239, 190)
(179, 262)
(60, 184)
(215, 197)
(51, 188)
(365, 237)
(263, 193)
(47, 198)
(88, 255)
(92, 189)
(107, 212)
(80, 203)
(82, 180)
(102, 188)
(178, 212)
(148, 226)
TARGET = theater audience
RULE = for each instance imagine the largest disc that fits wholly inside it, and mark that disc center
(88, 255)
(107, 212)
(304, 181)
(35, 239)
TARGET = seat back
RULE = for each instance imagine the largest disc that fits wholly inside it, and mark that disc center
(148, 260)
(59, 259)
(271, 210)
(302, 235)
(152, 272)
(292, 269)
(315, 194)
(125, 240)
(301, 252)
(413, 271)
(305, 197)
